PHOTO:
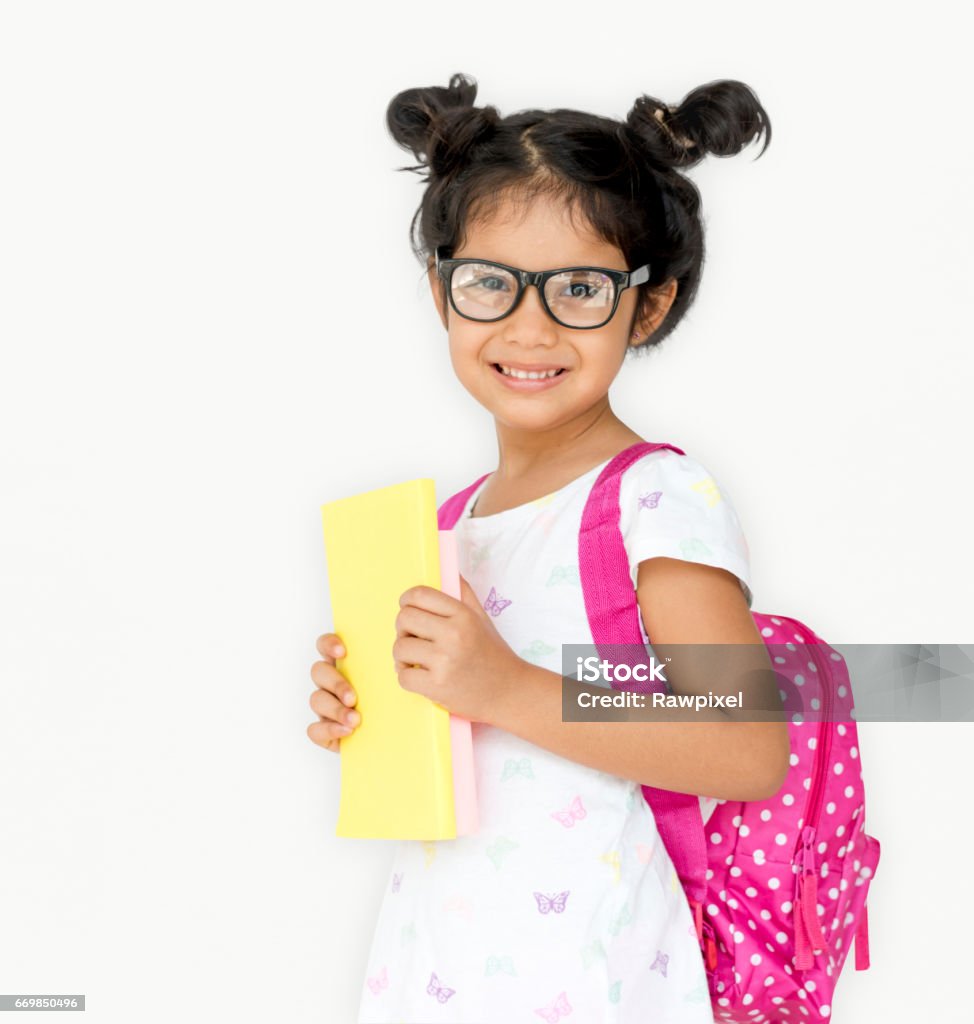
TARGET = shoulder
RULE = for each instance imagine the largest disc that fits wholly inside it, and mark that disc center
(682, 474)
(674, 506)
(670, 485)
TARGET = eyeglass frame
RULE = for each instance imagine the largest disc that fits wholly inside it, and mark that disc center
(622, 279)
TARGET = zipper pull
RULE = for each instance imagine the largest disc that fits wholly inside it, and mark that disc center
(708, 946)
(809, 938)
(697, 908)
(710, 957)
(808, 850)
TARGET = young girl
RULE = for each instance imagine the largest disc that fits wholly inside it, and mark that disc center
(565, 903)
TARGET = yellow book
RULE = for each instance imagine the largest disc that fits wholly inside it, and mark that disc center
(396, 767)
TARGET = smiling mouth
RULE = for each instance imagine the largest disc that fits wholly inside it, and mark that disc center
(508, 371)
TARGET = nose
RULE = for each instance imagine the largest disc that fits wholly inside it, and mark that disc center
(529, 323)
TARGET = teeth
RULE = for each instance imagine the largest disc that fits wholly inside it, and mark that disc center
(527, 375)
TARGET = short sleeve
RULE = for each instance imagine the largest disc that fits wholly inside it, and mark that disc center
(671, 506)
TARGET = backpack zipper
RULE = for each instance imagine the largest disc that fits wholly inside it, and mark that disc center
(823, 745)
(809, 938)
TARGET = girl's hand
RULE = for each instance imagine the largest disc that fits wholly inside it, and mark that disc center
(450, 651)
(332, 698)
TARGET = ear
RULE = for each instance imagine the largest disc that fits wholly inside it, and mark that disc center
(663, 297)
(439, 293)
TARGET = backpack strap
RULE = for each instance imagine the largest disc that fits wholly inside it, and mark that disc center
(449, 512)
(862, 941)
(613, 614)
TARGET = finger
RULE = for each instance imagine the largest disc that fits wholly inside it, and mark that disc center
(319, 734)
(417, 680)
(408, 651)
(327, 707)
(413, 621)
(327, 677)
(330, 646)
(429, 599)
(414, 679)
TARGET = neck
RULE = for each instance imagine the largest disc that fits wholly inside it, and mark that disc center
(586, 441)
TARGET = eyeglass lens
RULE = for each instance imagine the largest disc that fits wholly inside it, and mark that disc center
(579, 298)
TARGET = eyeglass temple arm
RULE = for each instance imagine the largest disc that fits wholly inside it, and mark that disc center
(640, 276)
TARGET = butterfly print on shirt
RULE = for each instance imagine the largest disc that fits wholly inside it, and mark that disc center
(694, 546)
(546, 521)
(554, 1011)
(592, 952)
(379, 982)
(659, 964)
(621, 919)
(461, 905)
(397, 881)
(644, 852)
(478, 553)
(498, 850)
(500, 965)
(614, 861)
(574, 812)
(563, 574)
(549, 903)
(495, 604)
(537, 650)
(514, 766)
(434, 988)
(708, 488)
(546, 499)
(650, 499)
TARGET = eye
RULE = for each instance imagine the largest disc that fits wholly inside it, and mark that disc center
(483, 278)
(492, 283)
(583, 287)
(581, 290)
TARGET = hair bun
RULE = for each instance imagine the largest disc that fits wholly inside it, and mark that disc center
(440, 124)
(721, 117)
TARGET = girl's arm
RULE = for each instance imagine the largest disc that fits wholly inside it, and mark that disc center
(677, 749)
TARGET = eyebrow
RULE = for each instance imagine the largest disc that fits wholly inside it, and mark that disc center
(555, 266)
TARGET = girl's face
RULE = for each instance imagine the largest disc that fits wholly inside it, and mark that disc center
(540, 238)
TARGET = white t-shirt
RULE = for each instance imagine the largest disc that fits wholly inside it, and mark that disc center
(565, 902)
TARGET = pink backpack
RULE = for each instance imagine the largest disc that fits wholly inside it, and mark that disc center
(777, 887)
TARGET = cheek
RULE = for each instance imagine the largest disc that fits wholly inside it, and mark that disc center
(464, 355)
(465, 347)
(602, 358)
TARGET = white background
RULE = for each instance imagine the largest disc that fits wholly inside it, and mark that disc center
(212, 323)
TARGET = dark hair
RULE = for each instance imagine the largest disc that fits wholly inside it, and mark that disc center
(622, 175)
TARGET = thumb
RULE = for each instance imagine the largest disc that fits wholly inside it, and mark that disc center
(468, 597)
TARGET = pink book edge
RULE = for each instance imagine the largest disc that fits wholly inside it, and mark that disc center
(461, 737)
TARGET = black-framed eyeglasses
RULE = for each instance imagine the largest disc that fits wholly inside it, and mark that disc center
(583, 298)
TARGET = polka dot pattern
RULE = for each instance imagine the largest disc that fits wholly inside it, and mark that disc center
(766, 963)
(764, 854)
